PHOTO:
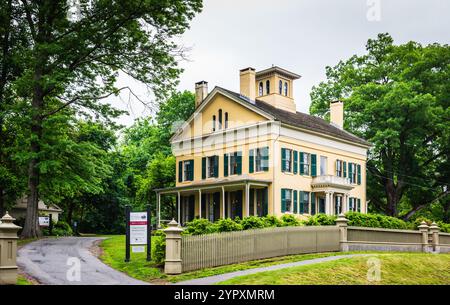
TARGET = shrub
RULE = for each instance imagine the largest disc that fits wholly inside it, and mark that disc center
(159, 247)
(375, 221)
(320, 220)
(200, 226)
(227, 225)
(445, 227)
(272, 221)
(61, 228)
(289, 220)
(253, 222)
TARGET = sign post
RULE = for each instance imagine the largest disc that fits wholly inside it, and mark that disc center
(138, 232)
(50, 225)
(127, 234)
(149, 234)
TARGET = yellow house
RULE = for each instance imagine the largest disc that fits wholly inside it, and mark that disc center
(252, 153)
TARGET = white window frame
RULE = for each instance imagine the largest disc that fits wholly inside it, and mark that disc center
(323, 165)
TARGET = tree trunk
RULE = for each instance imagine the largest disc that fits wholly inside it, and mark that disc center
(2, 203)
(70, 208)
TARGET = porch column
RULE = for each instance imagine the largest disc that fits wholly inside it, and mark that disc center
(199, 203)
(247, 199)
(223, 202)
(179, 207)
(327, 203)
(344, 203)
(331, 201)
(159, 209)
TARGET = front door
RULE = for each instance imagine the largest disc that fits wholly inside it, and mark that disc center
(321, 205)
(261, 202)
(235, 204)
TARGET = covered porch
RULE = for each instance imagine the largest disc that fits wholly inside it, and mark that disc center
(225, 198)
(331, 193)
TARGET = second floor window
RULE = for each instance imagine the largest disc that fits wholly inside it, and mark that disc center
(267, 86)
(305, 163)
(232, 164)
(259, 159)
(341, 170)
(286, 160)
(323, 165)
(212, 166)
(352, 172)
(186, 170)
(261, 89)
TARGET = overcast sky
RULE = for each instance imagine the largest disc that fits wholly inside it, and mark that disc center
(303, 36)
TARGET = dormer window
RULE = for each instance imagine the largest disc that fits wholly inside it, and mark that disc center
(226, 120)
(214, 123)
(267, 86)
(261, 89)
(220, 119)
(280, 87)
(285, 89)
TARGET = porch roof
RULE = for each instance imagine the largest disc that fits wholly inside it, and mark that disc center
(213, 184)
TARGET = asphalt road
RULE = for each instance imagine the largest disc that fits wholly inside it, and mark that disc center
(68, 261)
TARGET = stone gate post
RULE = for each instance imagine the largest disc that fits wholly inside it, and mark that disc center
(341, 223)
(172, 264)
(8, 250)
(423, 228)
(434, 230)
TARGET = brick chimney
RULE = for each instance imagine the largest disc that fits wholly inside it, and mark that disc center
(248, 83)
(337, 114)
(201, 91)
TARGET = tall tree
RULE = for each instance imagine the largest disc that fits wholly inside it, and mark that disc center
(74, 62)
(397, 97)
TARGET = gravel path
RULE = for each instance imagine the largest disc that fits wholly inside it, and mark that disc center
(54, 261)
(223, 277)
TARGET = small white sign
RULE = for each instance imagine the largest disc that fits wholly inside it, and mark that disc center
(138, 249)
(44, 221)
(138, 228)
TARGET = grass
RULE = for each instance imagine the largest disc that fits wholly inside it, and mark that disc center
(22, 280)
(113, 253)
(396, 268)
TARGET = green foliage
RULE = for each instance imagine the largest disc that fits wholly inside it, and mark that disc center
(228, 225)
(320, 220)
(396, 97)
(200, 226)
(289, 220)
(61, 228)
(376, 221)
(272, 221)
(253, 222)
(159, 247)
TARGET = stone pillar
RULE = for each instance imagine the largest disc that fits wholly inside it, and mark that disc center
(8, 250)
(173, 248)
(341, 223)
(423, 228)
(434, 230)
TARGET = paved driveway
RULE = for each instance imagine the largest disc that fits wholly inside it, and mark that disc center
(68, 261)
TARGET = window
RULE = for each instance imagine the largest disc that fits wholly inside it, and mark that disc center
(259, 159)
(280, 87)
(353, 172)
(304, 163)
(233, 164)
(304, 202)
(323, 165)
(286, 200)
(220, 119)
(354, 204)
(226, 120)
(341, 170)
(214, 123)
(261, 89)
(267, 86)
(286, 160)
(286, 88)
(337, 205)
(212, 166)
(188, 170)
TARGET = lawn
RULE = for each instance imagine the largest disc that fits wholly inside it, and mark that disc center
(113, 253)
(396, 268)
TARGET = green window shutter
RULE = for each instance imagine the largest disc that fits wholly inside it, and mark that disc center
(350, 203)
(191, 165)
(216, 166)
(239, 162)
(283, 159)
(225, 165)
(359, 173)
(345, 169)
(265, 157)
(350, 172)
(266, 201)
(359, 205)
(302, 202)
(294, 194)
(251, 161)
(295, 161)
(313, 203)
(302, 170)
(283, 200)
(204, 168)
(180, 171)
(313, 165)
